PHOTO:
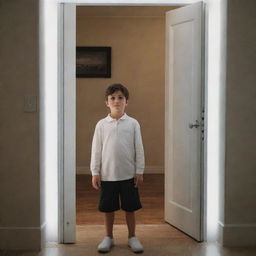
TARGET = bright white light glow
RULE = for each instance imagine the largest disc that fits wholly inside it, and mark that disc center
(212, 249)
(49, 90)
(214, 118)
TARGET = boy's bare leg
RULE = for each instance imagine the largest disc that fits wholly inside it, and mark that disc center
(130, 220)
(109, 221)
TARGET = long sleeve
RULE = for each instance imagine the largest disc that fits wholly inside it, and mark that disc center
(96, 151)
(139, 151)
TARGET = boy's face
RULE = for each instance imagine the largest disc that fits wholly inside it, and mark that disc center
(117, 102)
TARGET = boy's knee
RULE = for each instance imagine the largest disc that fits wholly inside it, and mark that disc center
(110, 213)
(129, 212)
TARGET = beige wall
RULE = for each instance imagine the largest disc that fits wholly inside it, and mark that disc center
(19, 140)
(240, 172)
(136, 35)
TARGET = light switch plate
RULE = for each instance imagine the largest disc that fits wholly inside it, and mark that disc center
(30, 103)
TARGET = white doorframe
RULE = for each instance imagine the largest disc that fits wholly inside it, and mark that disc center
(67, 123)
(60, 125)
(67, 117)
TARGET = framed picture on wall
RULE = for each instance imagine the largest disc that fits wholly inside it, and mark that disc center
(93, 61)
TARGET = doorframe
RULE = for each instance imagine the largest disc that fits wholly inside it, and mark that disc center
(66, 123)
(67, 117)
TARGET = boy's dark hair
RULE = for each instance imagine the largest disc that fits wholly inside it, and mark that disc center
(117, 87)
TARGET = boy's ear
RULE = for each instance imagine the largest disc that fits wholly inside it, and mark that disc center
(106, 103)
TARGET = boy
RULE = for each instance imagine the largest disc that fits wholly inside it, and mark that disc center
(117, 165)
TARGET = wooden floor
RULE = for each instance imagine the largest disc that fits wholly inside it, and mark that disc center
(151, 195)
(157, 240)
(157, 237)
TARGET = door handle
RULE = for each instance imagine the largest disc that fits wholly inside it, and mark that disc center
(196, 124)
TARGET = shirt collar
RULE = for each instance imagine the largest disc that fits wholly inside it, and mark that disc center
(109, 118)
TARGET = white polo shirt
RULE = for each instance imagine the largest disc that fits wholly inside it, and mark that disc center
(117, 149)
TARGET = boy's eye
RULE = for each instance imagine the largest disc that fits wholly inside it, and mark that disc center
(119, 97)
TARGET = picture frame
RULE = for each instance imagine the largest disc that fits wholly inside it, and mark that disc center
(93, 62)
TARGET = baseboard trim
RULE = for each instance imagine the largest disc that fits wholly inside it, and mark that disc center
(43, 235)
(154, 169)
(22, 238)
(237, 235)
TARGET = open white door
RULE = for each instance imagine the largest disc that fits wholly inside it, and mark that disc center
(183, 119)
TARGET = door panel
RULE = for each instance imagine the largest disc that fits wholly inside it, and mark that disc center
(183, 91)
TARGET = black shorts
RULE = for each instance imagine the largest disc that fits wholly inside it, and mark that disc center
(110, 192)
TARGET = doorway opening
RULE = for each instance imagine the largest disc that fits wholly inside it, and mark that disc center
(60, 222)
(69, 213)
(136, 35)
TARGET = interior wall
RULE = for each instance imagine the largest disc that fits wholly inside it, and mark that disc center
(19, 140)
(137, 38)
(239, 220)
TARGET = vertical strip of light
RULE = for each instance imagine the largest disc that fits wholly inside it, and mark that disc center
(216, 107)
(50, 119)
